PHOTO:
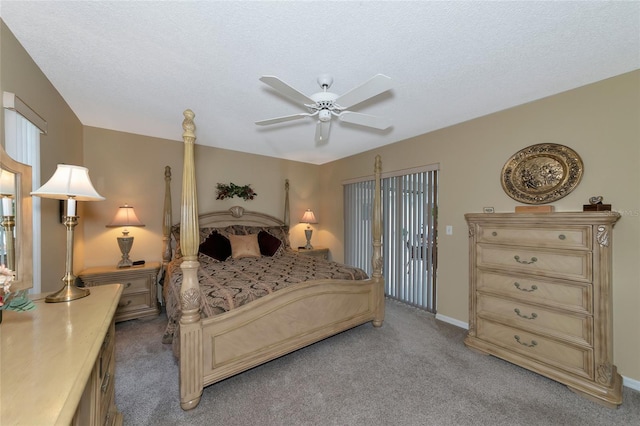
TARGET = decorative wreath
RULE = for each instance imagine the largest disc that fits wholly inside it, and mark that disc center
(232, 190)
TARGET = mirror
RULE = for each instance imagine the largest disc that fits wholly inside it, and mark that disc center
(16, 244)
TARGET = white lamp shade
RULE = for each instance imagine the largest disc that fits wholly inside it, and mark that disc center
(308, 217)
(125, 216)
(7, 183)
(69, 181)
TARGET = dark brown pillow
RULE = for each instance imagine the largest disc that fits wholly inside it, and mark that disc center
(216, 246)
(269, 244)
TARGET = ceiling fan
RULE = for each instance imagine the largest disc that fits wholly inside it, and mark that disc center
(326, 105)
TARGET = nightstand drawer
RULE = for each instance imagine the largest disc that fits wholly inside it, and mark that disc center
(132, 302)
(135, 285)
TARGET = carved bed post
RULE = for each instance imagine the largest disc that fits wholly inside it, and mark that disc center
(287, 216)
(191, 381)
(167, 220)
(376, 259)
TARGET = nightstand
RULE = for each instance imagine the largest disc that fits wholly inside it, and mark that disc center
(139, 295)
(322, 252)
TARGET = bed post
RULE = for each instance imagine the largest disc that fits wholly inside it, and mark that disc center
(167, 220)
(191, 381)
(376, 259)
(286, 218)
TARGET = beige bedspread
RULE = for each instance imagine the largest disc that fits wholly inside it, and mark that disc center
(235, 282)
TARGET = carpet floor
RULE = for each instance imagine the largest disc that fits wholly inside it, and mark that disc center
(414, 370)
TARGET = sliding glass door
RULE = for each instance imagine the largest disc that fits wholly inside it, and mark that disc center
(409, 200)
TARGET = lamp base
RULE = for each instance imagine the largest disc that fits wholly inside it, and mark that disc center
(307, 234)
(125, 243)
(67, 294)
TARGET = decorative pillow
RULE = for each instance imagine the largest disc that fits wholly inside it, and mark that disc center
(269, 244)
(216, 246)
(244, 246)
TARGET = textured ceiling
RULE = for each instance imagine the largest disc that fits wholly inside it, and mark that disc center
(135, 66)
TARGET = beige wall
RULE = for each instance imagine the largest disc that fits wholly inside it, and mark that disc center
(62, 144)
(128, 168)
(600, 121)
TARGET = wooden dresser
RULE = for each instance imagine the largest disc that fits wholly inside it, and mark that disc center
(58, 362)
(139, 295)
(540, 296)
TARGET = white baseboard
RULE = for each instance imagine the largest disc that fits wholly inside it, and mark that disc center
(626, 381)
(452, 321)
(631, 383)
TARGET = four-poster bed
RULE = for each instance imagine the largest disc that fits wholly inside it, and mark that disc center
(302, 312)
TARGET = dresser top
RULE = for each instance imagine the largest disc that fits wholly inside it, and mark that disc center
(47, 355)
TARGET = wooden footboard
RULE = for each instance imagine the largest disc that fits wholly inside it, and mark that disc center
(215, 348)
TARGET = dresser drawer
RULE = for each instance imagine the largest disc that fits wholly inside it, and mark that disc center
(577, 328)
(578, 237)
(571, 358)
(106, 391)
(572, 296)
(573, 265)
(132, 302)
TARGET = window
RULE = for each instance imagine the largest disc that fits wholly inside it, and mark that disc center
(409, 234)
(22, 142)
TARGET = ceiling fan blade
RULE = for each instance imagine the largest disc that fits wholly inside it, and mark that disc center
(282, 119)
(377, 84)
(365, 120)
(286, 90)
(322, 132)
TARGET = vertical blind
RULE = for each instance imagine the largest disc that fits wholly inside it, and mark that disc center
(22, 142)
(409, 234)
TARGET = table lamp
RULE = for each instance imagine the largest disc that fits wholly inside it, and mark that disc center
(70, 183)
(125, 216)
(308, 217)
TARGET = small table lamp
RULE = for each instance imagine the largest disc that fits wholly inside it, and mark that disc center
(125, 216)
(308, 217)
(69, 183)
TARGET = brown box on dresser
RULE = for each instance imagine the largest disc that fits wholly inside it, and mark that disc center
(139, 296)
(540, 296)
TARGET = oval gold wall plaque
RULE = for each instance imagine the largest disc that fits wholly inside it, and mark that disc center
(542, 173)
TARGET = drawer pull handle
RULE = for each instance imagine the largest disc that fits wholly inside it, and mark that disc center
(105, 382)
(525, 262)
(529, 345)
(122, 305)
(533, 314)
(494, 233)
(128, 285)
(562, 237)
(533, 287)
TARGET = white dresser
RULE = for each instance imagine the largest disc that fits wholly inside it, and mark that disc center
(540, 296)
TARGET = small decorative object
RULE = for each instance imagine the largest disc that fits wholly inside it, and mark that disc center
(534, 209)
(308, 217)
(17, 301)
(595, 205)
(542, 173)
(125, 217)
(232, 190)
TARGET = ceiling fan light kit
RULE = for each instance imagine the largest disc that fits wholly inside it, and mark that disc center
(325, 105)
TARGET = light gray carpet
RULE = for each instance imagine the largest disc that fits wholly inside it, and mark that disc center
(414, 370)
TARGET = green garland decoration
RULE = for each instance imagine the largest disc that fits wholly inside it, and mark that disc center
(232, 190)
